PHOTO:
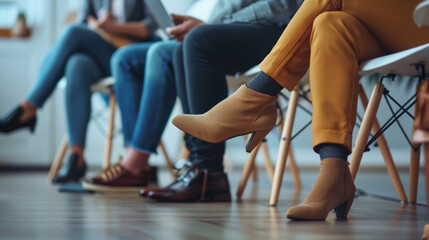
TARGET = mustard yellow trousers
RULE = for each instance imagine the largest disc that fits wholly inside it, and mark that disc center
(331, 37)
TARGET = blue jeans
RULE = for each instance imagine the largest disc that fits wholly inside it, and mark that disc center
(82, 56)
(145, 90)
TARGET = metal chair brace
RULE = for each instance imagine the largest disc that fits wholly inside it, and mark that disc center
(396, 115)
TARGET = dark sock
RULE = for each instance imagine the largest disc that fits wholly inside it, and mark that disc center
(264, 84)
(332, 150)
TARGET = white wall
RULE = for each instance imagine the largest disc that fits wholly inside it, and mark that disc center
(19, 64)
(19, 61)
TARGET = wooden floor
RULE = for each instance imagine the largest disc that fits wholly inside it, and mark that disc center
(31, 208)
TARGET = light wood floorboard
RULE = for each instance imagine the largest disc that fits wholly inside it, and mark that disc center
(31, 208)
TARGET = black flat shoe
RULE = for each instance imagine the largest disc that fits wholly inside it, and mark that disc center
(10, 121)
(70, 172)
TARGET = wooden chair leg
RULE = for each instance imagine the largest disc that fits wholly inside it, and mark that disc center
(385, 151)
(167, 160)
(414, 172)
(426, 146)
(294, 170)
(248, 166)
(414, 175)
(58, 160)
(110, 128)
(267, 160)
(284, 147)
(365, 129)
(255, 172)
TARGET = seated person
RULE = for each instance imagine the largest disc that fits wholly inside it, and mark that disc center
(146, 94)
(207, 54)
(82, 56)
(331, 38)
(146, 104)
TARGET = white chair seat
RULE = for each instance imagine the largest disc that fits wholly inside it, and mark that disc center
(105, 85)
(400, 63)
(421, 14)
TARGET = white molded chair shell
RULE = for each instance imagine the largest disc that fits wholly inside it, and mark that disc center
(400, 63)
(105, 85)
(421, 14)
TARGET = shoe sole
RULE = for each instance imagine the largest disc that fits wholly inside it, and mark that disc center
(256, 137)
(223, 197)
(107, 189)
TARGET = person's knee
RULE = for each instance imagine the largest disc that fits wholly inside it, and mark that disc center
(158, 51)
(121, 60)
(78, 65)
(199, 38)
(333, 29)
(332, 22)
(75, 32)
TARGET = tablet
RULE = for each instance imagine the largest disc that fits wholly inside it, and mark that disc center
(159, 13)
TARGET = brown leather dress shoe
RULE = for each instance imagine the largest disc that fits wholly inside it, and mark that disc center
(117, 178)
(193, 185)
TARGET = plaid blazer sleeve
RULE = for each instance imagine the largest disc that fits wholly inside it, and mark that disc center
(267, 12)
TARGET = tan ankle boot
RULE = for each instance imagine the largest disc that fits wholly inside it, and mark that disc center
(425, 235)
(246, 111)
(334, 189)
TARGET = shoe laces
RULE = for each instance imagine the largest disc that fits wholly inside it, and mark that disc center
(182, 167)
(111, 172)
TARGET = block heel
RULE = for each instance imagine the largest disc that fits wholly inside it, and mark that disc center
(334, 189)
(343, 209)
(255, 139)
(31, 128)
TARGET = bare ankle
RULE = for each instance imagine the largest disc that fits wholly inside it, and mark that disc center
(136, 161)
(29, 111)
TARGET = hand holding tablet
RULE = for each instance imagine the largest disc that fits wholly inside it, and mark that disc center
(183, 24)
(177, 26)
(159, 13)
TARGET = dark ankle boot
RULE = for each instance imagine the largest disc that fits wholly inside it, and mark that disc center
(193, 185)
(10, 121)
(71, 171)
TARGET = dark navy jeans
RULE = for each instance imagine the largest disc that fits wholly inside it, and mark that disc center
(208, 53)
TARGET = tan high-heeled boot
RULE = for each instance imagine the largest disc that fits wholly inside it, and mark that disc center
(425, 235)
(334, 189)
(245, 111)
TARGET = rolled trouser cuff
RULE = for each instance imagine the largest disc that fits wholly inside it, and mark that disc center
(330, 136)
